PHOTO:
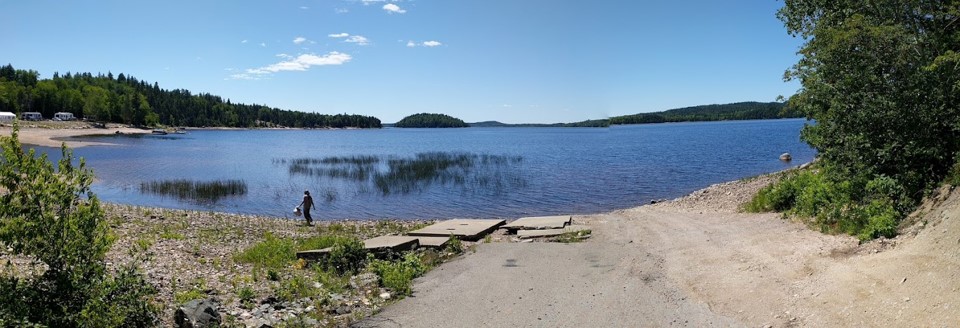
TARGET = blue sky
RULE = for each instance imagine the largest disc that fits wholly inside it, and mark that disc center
(513, 61)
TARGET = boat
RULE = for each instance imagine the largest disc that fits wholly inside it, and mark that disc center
(159, 132)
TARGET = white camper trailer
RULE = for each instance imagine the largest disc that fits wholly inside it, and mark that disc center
(7, 117)
(31, 116)
(63, 116)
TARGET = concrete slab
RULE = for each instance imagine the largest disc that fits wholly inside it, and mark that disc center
(313, 255)
(378, 244)
(465, 229)
(433, 242)
(540, 222)
(392, 243)
(524, 234)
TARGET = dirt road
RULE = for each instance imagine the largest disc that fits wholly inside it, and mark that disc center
(696, 262)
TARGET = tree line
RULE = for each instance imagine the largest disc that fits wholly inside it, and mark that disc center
(125, 99)
(727, 112)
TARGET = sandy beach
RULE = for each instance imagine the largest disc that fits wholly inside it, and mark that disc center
(54, 134)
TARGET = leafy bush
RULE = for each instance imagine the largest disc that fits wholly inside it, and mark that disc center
(296, 287)
(49, 215)
(454, 245)
(398, 276)
(347, 255)
(865, 208)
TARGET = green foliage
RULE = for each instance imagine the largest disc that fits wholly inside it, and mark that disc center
(296, 287)
(425, 120)
(867, 209)
(454, 245)
(736, 111)
(346, 256)
(398, 276)
(881, 82)
(271, 252)
(128, 100)
(246, 295)
(49, 215)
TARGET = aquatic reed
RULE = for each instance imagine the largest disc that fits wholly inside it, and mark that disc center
(198, 191)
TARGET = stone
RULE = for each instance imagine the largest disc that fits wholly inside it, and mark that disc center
(197, 313)
(786, 157)
(385, 295)
(364, 281)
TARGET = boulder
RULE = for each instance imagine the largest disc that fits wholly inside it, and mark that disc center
(786, 157)
(197, 313)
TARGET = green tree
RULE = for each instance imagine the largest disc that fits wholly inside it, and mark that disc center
(49, 215)
(96, 104)
(882, 82)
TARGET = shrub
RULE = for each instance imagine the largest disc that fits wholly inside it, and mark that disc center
(864, 208)
(398, 276)
(50, 216)
(347, 255)
(454, 245)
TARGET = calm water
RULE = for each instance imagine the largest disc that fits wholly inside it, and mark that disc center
(505, 172)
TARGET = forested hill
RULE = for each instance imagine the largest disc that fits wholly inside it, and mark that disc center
(735, 111)
(426, 120)
(124, 99)
(582, 124)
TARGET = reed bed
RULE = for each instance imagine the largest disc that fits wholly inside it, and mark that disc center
(197, 191)
(401, 175)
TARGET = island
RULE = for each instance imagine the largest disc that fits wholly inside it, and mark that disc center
(428, 120)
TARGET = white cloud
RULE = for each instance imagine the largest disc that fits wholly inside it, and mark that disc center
(429, 44)
(263, 44)
(304, 7)
(358, 39)
(392, 8)
(302, 62)
(244, 41)
(299, 40)
(285, 56)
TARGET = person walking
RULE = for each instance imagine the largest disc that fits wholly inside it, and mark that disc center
(307, 203)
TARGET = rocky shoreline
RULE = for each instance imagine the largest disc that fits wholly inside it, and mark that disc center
(190, 255)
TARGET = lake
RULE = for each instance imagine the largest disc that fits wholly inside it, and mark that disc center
(439, 173)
